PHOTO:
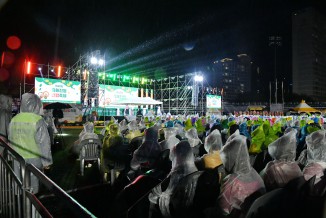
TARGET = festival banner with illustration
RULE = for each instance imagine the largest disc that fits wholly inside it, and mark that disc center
(56, 90)
(214, 101)
(110, 95)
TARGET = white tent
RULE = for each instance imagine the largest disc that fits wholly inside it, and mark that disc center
(139, 101)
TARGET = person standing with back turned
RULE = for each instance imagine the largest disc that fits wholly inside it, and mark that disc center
(29, 136)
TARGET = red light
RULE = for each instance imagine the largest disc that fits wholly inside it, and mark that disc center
(13, 42)
(59, 71)
(28, 69)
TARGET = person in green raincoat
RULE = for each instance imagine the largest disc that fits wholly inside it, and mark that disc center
(257, 140)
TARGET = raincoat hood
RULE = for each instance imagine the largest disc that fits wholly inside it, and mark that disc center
(114, 129)
(89, 127)
(213, 142)
(31, 103)
(181, 155)
(235, 156)
(192, 137)
(123, 125)
(5, 102)
(151, 134)
(170, 132)
(133, 125)
(180, 130)
(284, 148)
(316, 146)
(243, 128)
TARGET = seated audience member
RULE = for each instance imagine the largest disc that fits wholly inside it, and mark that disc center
(170, 139)
(114, 150)
(86, 133)
(283, 168)
(243, 184)
(316, 155)
(213, 144)
(133, 130)
(145, 157)
(187, 192)
(193, 140)
(182, 165)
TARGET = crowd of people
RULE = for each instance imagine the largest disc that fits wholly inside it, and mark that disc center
(197, 166)
(217, 166)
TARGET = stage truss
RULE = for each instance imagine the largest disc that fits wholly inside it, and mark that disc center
(176, 92)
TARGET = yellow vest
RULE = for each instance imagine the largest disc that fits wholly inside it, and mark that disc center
(22, 135)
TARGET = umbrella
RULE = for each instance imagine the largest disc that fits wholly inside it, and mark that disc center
(57, 105)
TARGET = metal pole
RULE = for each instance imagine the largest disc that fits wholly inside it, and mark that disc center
(282, 95)
(270, 94)
(24, 76)
(276, 91)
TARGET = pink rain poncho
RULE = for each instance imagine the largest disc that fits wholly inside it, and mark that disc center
(316, 155)
(283, 168)
(243, 181)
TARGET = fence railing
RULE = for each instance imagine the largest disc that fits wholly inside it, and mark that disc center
(16, 198)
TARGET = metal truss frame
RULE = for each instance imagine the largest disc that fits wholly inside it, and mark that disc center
(174, 91)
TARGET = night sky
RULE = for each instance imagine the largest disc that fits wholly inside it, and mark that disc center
(148, 37)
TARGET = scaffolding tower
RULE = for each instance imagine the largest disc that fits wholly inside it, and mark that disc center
(178, 92)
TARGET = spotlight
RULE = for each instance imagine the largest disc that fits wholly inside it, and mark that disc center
(199, 78)
(93, 60)
(101, 62)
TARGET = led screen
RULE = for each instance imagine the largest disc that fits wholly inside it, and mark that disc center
(214, 101)
(57, 90)
(110, 95)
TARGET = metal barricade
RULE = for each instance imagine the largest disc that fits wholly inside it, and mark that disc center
(16, 199)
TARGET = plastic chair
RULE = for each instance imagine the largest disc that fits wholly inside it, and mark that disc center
(90, 151)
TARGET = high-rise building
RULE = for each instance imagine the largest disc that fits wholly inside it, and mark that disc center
(234, 76)
(309, 53)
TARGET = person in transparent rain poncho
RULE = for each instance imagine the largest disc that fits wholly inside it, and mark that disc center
(316, 155)
(170, 139)
(123, 126)
(29, 136)
(50, 123)
(180, 131)
(133, 130)
(145, 157)
(86, 133)
(243, 182)
(193, 140)
(212, 145)
(5, 117)
(283, 168)
(113, 151)
(107, 123)
(182, 165)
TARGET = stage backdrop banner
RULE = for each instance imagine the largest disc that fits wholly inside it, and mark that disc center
(214, 101)
(56, 90)
(113, 95)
